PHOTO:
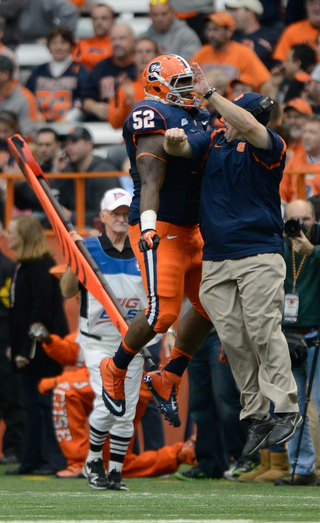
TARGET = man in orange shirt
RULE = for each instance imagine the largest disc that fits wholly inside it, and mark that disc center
(302, 32)
(295, 111)
(307, 161)
(229, 57)
(90, 51)
(130, 91)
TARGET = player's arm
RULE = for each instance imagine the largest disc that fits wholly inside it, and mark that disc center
(241, 119)
(176, 143)
(151, 164)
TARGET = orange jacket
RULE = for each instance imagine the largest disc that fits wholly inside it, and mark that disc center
(289, 183)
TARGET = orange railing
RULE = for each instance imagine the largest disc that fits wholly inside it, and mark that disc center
(79, 193)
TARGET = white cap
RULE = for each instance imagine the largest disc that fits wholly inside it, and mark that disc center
(252, 5)
(115, 198)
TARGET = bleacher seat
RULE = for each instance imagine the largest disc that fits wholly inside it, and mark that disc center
(30, 55)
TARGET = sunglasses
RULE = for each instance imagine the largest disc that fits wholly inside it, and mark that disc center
(155, 2)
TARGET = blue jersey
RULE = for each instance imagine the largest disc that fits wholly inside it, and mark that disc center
(102, 83)
(240, 203)
(57, 95)
(180, 192)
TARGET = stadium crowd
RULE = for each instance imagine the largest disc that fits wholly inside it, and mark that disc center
(269, 47)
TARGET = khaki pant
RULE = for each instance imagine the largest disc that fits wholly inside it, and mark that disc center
(244, 299)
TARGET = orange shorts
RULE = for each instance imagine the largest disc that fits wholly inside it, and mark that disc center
(170, 272)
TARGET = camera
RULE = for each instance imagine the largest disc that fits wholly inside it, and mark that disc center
(294, 226)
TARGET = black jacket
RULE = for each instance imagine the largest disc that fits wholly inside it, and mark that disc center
(36, 297)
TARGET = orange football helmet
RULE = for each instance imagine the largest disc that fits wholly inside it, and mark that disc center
(160, 80)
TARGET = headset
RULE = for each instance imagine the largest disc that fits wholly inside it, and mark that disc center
(264, 106)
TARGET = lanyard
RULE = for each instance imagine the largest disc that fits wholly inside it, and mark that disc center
(295, 272)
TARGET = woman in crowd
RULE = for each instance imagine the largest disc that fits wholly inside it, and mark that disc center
(34, 297)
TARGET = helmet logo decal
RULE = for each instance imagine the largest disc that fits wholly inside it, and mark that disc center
(154, 67)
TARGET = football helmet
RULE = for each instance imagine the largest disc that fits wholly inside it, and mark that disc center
(160, 80)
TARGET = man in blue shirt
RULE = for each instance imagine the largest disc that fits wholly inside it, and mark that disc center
(243, 267)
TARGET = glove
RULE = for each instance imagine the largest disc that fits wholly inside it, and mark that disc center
(149, 240)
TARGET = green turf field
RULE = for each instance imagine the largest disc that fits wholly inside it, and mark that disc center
(31, 498)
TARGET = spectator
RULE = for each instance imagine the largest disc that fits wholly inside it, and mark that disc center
(51, 160)
(8, 127)
(289, 79)
(303, 32)
(40, 16)
(79, 150)
(34, 297)
(313, 89)
(303, 300)
(12, 409)
(11, 11)
(172, 35)
(262, 39)
(102, 83)
(130, 91)
(229, 57)
(6, 51)
(17, 99)
(193, 13)
(307, 161)
(296, 112)
(58, 85)
(90, 51)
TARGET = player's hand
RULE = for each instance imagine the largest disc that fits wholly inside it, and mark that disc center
(200, 83)
(149, 240)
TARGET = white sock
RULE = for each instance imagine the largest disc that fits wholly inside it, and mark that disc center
(93, 455)
(115, 465)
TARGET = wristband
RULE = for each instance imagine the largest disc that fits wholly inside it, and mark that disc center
(148, 220)
(171, 331)
(209, 93)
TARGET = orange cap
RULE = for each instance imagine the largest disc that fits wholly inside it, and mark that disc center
(299, 105)
(222, 18)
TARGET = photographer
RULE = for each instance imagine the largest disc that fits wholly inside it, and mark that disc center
(302, 316)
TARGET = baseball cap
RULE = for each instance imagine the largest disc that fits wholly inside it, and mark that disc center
(315, 73)
(115, 198)
(299, 105)
(244, 79)
(252, 5)
(78, 133)
(254, 103)
(222, 18)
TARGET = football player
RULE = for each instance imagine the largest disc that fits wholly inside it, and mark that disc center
(163, 232)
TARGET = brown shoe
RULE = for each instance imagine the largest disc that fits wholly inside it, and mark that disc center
(303, 480)
(250, 477)
(279, 468)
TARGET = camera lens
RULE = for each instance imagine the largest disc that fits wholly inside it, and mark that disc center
(293, 227)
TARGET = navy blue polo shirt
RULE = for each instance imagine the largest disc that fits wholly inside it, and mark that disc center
(240, 203)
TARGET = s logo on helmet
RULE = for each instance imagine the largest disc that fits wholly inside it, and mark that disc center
(154, 67)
